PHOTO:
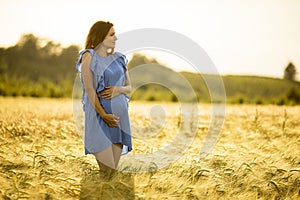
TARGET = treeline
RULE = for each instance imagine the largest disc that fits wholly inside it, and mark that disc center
(42, 68)
(37, 67)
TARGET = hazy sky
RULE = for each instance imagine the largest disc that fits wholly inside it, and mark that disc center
(255, 37)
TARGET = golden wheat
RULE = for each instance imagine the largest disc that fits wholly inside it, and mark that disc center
(256, 156)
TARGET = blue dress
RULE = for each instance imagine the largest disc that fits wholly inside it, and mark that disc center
(107, 71)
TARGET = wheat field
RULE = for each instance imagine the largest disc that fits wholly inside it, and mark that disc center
(257, 155)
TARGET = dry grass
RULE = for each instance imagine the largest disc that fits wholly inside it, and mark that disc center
(256, 157)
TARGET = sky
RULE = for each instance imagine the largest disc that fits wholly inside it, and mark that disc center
(245, 37)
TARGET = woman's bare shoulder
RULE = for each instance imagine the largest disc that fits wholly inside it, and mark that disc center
(86, 54)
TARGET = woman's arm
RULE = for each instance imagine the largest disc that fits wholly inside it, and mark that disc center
(113, 91)
(127, 88)
(88, 79)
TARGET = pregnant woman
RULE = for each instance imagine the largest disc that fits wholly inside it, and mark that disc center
(106, 86)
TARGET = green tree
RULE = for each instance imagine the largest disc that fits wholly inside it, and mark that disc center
(290, 72)
(29, 46)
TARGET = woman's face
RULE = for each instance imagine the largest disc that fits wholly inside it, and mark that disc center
(110, 39)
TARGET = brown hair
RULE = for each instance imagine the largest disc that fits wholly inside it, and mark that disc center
(97, 34)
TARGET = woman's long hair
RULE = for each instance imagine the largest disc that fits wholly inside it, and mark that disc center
(97, 34)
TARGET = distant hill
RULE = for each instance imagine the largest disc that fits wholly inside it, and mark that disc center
(239, 89)
(42, 68)
(256, 89)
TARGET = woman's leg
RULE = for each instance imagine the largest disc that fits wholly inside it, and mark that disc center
(117, 150)
(105, 158)
(109, 157)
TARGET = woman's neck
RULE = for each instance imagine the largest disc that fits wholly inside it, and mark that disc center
(102, 51)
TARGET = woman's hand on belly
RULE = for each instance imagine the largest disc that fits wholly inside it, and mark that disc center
(113, 91)
(110, 92)
(111, 120)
